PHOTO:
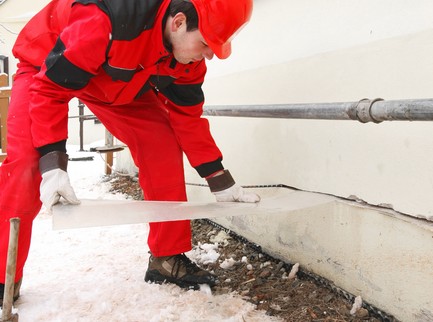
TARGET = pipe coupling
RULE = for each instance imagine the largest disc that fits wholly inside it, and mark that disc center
(362, 110)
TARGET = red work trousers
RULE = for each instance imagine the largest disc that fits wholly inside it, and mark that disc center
(143, 126)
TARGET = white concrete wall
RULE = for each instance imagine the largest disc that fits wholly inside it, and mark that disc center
(330, 51)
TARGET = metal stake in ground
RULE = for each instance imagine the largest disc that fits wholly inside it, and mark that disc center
(11, 265)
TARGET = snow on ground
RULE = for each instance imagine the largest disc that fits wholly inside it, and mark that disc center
(96, 274)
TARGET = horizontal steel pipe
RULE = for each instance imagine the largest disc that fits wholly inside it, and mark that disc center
(83, 117)
(403, 110)
(365, 110)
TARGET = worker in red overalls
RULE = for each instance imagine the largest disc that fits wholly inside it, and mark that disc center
(139, 67)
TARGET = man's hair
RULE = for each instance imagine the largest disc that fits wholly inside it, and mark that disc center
(188, 9)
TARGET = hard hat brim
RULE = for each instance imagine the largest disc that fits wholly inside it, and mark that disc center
(221, 51)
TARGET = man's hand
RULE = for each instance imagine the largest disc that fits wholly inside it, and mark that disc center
(55, 180)
(56, 184)
(236, 193)
(225, 189)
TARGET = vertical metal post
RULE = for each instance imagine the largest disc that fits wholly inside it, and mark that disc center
(81, 120)
(11, 266)
(5, 67)
(109, 154)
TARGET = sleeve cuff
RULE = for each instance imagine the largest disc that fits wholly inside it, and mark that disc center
(206, 169)
(57, 146)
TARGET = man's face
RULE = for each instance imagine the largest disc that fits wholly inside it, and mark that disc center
(188, 46)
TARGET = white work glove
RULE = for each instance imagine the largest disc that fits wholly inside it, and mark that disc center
(236, 193)
(225, 189)
(55, 180)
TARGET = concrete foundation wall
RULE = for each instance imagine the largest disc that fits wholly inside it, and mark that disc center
(381, 255)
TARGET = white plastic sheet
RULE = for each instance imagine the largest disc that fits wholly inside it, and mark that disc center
(91, 213)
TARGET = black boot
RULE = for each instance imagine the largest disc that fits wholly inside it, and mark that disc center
(179, 270)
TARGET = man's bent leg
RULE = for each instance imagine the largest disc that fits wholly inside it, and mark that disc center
(19, 175)
(144, 127)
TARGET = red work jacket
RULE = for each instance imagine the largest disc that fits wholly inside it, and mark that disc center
(109, 53)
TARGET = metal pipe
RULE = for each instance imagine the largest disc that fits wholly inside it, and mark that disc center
(365, 110)
(83, 117)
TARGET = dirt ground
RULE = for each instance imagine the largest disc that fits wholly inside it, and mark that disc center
(264, 281)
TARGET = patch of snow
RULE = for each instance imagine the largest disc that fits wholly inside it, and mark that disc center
(228, 263)
(97, 274)
(294, 271)
(357, 304)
